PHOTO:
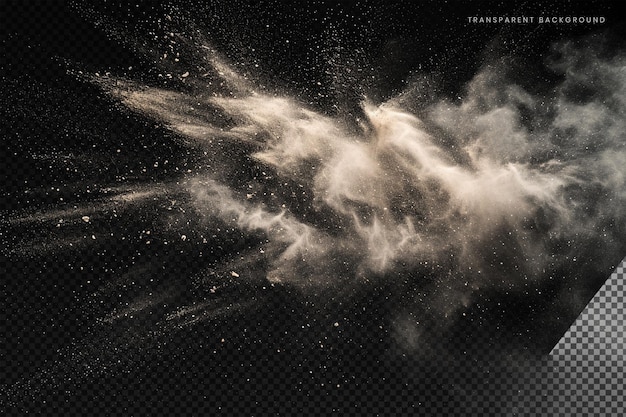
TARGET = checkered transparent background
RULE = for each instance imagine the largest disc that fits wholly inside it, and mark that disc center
(584, 373)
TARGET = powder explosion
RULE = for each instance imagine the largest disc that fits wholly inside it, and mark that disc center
(496, 190)
(193, 228)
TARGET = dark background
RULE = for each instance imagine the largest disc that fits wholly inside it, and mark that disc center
(49, 316)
